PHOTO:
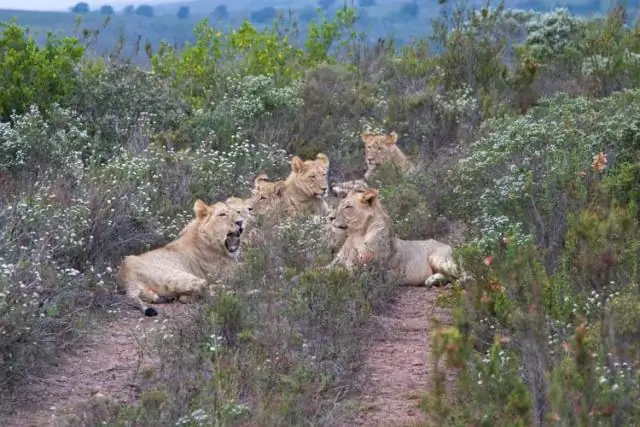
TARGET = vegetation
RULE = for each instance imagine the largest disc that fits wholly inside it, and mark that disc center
(526, 126)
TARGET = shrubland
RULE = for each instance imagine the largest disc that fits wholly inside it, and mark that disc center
(525, 127)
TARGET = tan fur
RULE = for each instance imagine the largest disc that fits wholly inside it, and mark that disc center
(370, 237)
(304, 189)
(341, 189)
(180, 269)
(337, 236)
(381, 149)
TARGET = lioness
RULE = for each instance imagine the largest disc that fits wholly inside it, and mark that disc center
(370, 237)
(180, 268)
(382, 148)
(304, 189)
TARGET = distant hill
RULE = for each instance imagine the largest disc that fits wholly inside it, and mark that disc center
(383, 18)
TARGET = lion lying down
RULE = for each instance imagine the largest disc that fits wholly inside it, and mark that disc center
(180, 269)
(370, 237)
(303, 190)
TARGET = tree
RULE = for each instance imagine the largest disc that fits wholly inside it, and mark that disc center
(129, 10)
(144, 10)
(106, 10)
(263, 15)
(410, 10)
(183, 12)
(81, 7)
(366, 3)
(220, 12)
(326, 4)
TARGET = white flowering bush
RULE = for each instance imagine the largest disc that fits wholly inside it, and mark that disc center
(551, 33)
(503, 183)
(112, 97)
(247, 100)
(35, 142)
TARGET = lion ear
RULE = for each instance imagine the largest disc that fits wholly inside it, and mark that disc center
(368, 196)
(263, 177)
(279, 188)
(392, 138)
(201, 209)
(297, 165)
(366, 136)
(323, 160)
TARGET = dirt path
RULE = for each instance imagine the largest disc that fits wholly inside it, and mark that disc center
(109, 365)
(398, 365)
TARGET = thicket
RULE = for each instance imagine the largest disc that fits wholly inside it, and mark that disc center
(526, 126)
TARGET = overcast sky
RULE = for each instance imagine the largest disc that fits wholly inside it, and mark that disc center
(36, 4)
(66, 4)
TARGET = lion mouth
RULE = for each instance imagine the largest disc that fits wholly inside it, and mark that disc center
(232, 242)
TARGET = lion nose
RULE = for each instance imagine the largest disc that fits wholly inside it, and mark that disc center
(239, 222)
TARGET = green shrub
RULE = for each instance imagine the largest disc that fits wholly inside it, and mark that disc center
(33, 74)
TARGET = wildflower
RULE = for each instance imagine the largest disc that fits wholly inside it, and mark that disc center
(488, 260)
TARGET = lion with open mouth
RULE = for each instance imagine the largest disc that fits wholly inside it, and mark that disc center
(182, 268)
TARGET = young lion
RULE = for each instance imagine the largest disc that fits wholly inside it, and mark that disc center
(304, 189)
(370, 236)
(382, 148)
(242, 207)
(340, 190)
(180, 268)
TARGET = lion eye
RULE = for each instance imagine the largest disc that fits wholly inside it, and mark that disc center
(263, 198)
(222, 214)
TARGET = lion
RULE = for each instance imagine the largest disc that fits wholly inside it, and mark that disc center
(242, 207)
(341, 189)
(180, 268)
(304, 189)
(370, 237)
(336, 236)
(381, 149)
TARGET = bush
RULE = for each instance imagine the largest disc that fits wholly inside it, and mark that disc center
(100, 159)
(35, 75)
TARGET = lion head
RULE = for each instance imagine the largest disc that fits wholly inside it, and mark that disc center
(218, 225)
(356, 211)
(341, 189)
(309, 178)
(267, 195)
(242, 207)
(379, 149)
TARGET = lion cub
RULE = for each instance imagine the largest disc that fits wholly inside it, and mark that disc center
(382, 148)
(180, 268)
(363, 219)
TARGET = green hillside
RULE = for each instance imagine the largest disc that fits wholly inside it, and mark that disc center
(384, 18)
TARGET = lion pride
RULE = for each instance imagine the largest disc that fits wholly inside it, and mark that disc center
(180, 268)
(363, 219)
(303, 190)
(382, 148)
